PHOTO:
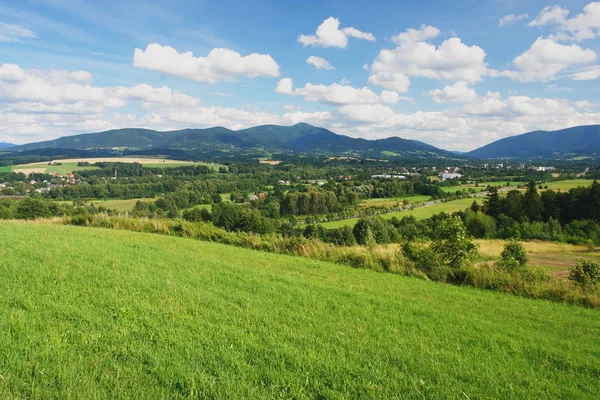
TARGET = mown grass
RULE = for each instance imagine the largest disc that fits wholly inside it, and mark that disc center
(93, 313)
(391, 202)
(6, 168)
(65, 168)
(68, 167)
(569, 184)
(419, 213)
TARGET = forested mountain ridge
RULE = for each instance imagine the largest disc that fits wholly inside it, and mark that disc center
(565, 143)
(303, 138)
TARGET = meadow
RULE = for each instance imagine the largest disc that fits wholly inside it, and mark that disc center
(569, 184)
(118, 205)
(70, 165)
(418, 213)
(391, 202)
(166, 317)
(555, 258)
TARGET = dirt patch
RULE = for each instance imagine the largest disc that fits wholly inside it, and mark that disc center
(269, 162)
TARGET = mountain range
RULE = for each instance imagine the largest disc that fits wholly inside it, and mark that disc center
(4, 145)
(299, 138)
(579, 141)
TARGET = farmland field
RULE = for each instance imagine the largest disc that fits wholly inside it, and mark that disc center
(165, 317)
(392, 202)
(7, 168)
(419, 213)
(569, 184)
(70, 165)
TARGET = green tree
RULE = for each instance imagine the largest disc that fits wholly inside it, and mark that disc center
(453, 244)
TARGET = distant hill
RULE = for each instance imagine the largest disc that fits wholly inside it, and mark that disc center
(4, 145)
(303, 138)
(578, 141)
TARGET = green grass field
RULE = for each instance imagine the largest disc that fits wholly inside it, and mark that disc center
(94, 313)
(119, 205)
(7, 168)
(392, 201)
(68, 167)
(570, 184)
(419, 213)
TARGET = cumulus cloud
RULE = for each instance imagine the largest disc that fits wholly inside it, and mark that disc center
(219, 65)
(545, 59)
(584, 105)
(334, 94)
(389, 97)
(510, 18)
(329, 34)
(585, 25)
(414, 56)
(459, 92)
(397, 82)
(319, 63)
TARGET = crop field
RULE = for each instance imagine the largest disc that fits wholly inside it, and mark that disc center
(419, 213)
(165, 317)
(70, 165)
(7, 168)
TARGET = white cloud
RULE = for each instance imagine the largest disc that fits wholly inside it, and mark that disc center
(367, 112)
(318, 118)
(587, 74)
(344, 81)
(510, 18)
(425, 32)
(389, 97)
(459, 92)
(219, 65)
(397, 82)
(14, 33)
(319, 63)
(549, 15)
(329, 34)
(584, 105)
(452, 60)
(545, 59)
(585, 25)
(334, 94)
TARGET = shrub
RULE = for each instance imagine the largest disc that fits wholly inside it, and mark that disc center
(585, 272)
(514, 255)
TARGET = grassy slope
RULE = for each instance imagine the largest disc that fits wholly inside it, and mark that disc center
(97, 313)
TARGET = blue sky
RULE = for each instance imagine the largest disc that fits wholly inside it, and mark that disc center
(454, 74)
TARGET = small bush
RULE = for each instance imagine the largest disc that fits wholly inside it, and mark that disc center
(514, 255)
(585, 272)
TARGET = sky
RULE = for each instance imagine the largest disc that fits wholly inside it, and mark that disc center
(454, 74)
